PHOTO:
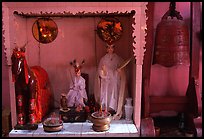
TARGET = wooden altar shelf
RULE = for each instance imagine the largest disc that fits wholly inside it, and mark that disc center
(118, 128)
(69, 14)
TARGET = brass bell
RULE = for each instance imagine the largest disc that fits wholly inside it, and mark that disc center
(172, 40)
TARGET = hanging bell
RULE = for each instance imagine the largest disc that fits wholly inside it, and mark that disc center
(172, 40)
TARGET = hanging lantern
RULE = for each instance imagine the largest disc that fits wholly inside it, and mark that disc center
(172, 40)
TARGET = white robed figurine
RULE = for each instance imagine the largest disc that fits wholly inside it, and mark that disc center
(110, 86)
(77, 94)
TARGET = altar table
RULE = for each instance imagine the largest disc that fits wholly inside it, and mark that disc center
(118, 128)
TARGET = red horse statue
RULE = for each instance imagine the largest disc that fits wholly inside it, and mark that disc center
(32, 89)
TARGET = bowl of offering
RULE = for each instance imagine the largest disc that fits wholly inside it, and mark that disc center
(52, 124)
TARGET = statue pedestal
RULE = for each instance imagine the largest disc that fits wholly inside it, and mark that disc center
(71, 115)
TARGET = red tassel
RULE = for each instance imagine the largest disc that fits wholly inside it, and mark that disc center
(26, 71)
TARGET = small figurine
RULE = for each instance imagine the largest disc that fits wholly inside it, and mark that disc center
(77, 95)
(74, 106)
(63, 103)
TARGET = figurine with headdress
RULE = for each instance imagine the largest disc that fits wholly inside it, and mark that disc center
(111, 84)
(77, 95)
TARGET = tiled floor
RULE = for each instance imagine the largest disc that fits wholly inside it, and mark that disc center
(118, 128)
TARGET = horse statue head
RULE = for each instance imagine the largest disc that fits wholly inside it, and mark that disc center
(19, 64)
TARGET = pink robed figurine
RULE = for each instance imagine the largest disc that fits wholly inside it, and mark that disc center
(77, 95)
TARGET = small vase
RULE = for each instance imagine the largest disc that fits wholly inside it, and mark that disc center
(128, 109)
(63, 102)
(128, 101)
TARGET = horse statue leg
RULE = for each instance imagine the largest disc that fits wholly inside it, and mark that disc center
(20, 107)
(32, 105)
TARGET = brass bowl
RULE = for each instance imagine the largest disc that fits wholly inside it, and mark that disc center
(100, 123)
(189, 134)
(101, 128)
(52, 128)
(52, 125)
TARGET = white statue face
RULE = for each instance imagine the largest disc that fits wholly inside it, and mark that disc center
(78, 73)
(110, 49)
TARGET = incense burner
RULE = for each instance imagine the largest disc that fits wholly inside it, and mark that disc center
(52, 124)
(101, 121)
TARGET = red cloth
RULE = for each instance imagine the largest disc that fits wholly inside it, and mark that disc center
(44, 95)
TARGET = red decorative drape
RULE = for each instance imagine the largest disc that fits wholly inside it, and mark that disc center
(44, 96)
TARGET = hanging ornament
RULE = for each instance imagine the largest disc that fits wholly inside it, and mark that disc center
(45, 30)
(109, 30)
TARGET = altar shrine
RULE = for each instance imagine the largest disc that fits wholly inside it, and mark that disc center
(55, 33)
